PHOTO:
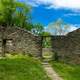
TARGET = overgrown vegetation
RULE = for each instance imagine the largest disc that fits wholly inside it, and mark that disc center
(21, 68)
(67, 71)
(47, 42)
(14, 13)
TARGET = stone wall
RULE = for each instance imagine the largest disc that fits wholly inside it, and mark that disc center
(18, 40)
(21, 41)
(67, 47)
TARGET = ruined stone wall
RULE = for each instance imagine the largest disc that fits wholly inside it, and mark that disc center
(21, 41)
(67, 47)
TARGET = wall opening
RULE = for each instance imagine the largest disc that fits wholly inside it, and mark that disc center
(47, 48)
(9, 46)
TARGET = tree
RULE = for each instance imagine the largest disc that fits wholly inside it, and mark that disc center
(58, 27)
(22, 17)
(45, 34)
(15, 13)
(38, 29)
(66, 28)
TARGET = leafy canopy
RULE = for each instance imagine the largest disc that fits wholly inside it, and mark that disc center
(15, 13)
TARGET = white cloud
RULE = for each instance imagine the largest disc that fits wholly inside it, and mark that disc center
(72, 28)
(72, 4)
(46, 2)
(72, 14)
(32, 4)
(68, 4)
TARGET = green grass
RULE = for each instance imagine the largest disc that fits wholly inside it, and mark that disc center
(47, 54)
(68, 72)
(21, 69)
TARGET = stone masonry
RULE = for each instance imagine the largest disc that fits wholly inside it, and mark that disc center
(20, 41)
(67, 47)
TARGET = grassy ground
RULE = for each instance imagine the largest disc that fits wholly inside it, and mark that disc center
(68, 72)
(21, 69)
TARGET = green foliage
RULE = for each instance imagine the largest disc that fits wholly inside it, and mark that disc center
(21, 17)
(7, 7)
(15, 13)
(45, 34)
(46, 42)
(38, 29)
(68, 72)
(21, 69)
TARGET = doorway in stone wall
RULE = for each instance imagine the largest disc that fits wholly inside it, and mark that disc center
(47, 52)
(6, 46)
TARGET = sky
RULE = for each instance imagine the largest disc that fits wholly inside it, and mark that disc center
(48, 11)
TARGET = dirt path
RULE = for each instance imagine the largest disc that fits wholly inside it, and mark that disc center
(50, 72)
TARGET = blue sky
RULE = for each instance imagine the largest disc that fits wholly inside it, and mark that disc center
(48, 11)
(46, 16)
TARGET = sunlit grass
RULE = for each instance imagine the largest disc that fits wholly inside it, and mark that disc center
(20, 67)
(67, 71)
